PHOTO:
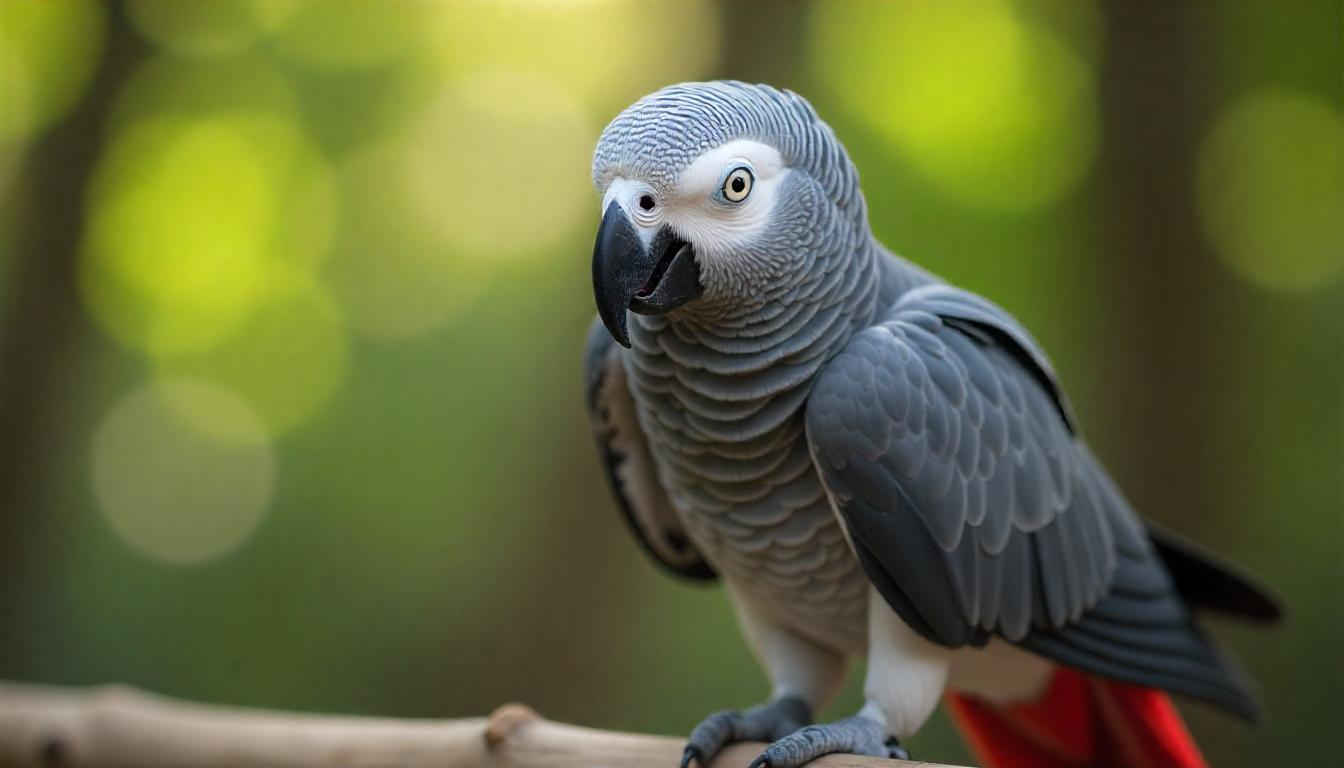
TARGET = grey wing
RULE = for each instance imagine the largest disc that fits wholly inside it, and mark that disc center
(629, 467)
(950, 453)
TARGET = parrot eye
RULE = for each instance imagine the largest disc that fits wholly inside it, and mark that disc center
(737, 184)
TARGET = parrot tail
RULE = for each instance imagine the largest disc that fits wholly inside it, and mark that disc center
(1079, 721)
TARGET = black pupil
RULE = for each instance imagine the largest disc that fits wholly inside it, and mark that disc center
(646, 202)
(738, 184)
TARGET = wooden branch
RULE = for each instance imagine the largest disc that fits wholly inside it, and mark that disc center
(117, 727)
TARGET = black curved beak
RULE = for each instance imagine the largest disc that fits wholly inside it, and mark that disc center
(628, 276)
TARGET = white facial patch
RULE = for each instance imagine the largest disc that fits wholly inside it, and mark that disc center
(695, 206)
(700, 213)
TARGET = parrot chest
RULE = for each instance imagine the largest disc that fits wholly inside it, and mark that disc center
(741, 477)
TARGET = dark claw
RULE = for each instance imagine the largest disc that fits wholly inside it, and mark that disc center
(692, 753)
(895, 751)
(760, 762)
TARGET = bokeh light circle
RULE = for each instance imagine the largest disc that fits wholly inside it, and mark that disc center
(1271, 190)
(991, 108)
(394, 278)
(187, 215)
(206, 29)
(499, 164)
(48, 51)
(178, 217)
(182, 471)
(600, 52)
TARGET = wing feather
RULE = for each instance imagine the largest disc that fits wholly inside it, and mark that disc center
(976, 510)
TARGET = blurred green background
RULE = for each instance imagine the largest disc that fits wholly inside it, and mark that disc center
(292, 296)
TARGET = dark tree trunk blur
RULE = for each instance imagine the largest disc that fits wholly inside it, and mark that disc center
(41, 323)
(763, 42)
(1158, 273)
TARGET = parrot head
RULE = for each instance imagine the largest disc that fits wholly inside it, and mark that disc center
(717, 199)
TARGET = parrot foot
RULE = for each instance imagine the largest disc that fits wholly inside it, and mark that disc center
(765, 722)
(857, 735)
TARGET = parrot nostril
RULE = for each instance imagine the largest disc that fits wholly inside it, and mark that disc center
(646, 202)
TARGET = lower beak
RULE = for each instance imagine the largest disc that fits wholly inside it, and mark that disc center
(649, 280)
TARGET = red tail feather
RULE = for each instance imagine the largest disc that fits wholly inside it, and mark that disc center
(1079, 721)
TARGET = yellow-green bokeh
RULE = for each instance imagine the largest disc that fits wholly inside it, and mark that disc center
(186, 218)
(47, 55)
(604, 53)
(208, 183)
(1271, 190)
(178, 218)
(990, 107)
(499, 164)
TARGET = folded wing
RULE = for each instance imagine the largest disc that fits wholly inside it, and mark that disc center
(949, 449)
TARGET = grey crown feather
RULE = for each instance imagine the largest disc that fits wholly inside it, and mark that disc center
(664, 132)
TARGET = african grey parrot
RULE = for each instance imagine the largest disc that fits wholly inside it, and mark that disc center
(878, 464)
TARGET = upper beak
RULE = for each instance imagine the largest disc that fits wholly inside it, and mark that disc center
(629, 276)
